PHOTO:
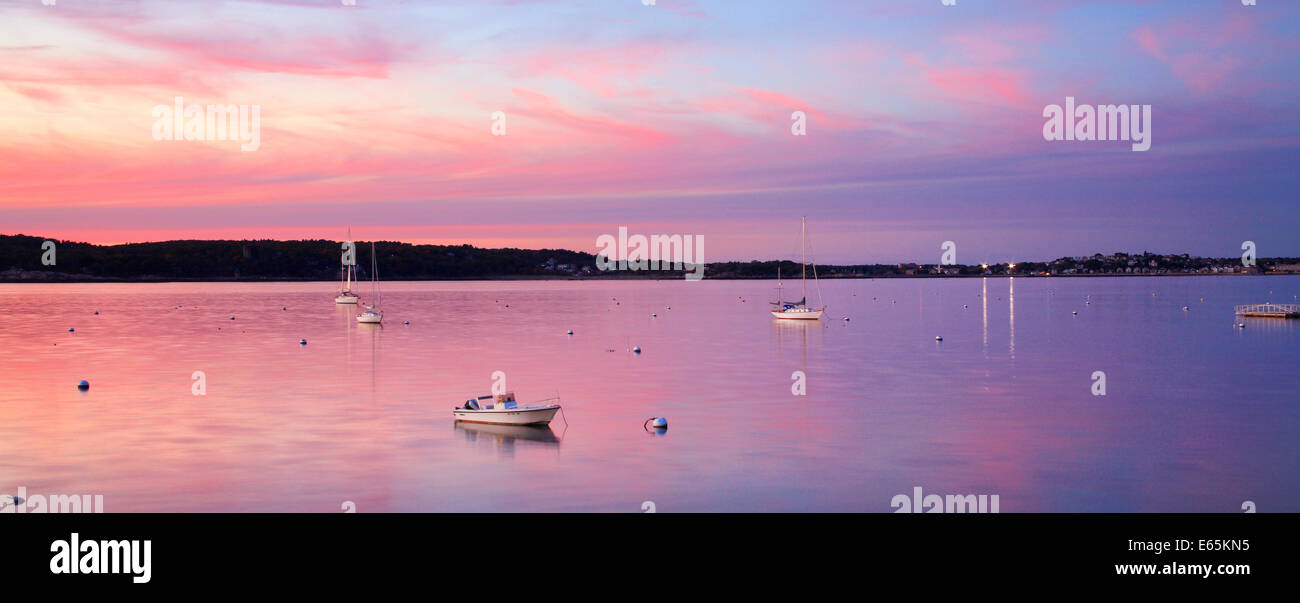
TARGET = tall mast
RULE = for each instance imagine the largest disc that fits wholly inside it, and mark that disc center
(348, 268)
(803, 257)
(374, 275)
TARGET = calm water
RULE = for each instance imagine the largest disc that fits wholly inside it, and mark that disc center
(1198, 415)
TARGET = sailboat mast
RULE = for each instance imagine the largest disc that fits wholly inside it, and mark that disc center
(347, 268)
(374, 275)
(803, 257)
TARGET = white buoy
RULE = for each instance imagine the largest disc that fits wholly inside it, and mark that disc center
(71, 330)
(636, 350)
(845, 319)
(1241, 325)
(938, 338)
(284, 307)
(302, 342)
(963, 306)
(654, 316)
(659, 423)
(1184, 308)
(1075, 313)
(84, 385)
(570, 331)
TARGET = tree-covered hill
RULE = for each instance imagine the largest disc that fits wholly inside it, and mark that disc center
(275, 260)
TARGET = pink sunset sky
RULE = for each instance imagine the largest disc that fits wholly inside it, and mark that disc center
(924, 124)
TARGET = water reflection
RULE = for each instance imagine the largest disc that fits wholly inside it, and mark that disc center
(1011, 296)
(506, 438)
(984, 301)
(291, 425)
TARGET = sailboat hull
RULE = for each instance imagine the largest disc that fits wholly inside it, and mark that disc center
(798, 314)
(346, 299)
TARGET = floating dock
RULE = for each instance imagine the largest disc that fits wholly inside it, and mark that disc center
(1270, 310)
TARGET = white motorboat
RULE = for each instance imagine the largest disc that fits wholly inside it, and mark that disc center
(373, 315)
(799, 310)
(502, 409)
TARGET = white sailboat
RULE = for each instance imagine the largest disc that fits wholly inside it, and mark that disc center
(799, 310)
(373, 315)
(346, 296)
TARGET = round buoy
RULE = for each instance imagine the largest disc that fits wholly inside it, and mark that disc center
(963, 306)
(636, 350)
(1241, 325)
(670, 307)
(660, 422)
(845, 319)
(1075, 313)
(938, 338)
(71, 330)
(1184, 308)
(406, 322)
(84, 385)
(284, 307)
(302, 342)
(232, 318)
(570, 331)
(96, 313)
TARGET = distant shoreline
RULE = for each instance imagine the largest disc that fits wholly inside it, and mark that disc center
(68, 279)
(28, 259)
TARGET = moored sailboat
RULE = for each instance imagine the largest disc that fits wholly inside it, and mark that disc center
(373, 315)
(799, 310)
(346, 296)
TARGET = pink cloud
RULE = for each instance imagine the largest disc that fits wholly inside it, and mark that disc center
(1202, 54)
